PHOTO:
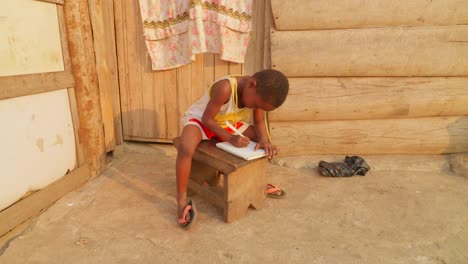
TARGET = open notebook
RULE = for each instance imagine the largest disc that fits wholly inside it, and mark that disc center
(247, 153)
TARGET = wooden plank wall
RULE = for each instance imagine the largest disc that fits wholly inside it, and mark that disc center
(152, 102)
(371, 76)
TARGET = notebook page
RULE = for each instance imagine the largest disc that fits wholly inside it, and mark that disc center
(247, 153)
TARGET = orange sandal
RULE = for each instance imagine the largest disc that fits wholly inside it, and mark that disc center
(274, 192)
(189, 216)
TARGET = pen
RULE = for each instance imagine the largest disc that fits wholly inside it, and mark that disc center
(234, 129)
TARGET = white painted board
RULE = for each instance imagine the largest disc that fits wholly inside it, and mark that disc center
(29, 38)
(37, 143)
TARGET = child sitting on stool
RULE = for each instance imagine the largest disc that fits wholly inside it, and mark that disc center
(238, 100)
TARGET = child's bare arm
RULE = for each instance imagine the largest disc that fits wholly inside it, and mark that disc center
(259, 122)
(220, 94)
(261, 131)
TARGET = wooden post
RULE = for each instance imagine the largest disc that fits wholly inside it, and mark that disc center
(83, 62)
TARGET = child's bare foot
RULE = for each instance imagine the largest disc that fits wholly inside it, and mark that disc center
(181, 203)
(180, 207)
(274, 192)
(188, 216)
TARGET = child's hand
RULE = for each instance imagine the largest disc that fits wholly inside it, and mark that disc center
(240, 142)
(270, 150)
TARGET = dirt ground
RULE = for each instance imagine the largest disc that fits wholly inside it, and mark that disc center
(407, 209)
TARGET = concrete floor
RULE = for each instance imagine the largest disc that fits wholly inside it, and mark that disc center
(408, 209)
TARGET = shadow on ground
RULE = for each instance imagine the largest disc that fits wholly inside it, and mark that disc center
(407, 209)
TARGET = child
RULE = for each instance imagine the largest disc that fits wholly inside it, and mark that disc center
(237, 100)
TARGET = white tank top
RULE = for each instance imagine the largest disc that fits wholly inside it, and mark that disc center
(228, 112)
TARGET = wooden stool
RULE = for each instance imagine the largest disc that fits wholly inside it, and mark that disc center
(243, 185)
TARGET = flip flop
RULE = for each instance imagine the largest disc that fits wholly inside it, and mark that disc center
(274, 192)
(190, 213)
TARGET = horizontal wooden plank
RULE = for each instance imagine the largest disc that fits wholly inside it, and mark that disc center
(430, 135)
(373, 98)
(21, 85)
(326, 14)
(60, 2)
(422, 51)
(147, 139)
(38, 201)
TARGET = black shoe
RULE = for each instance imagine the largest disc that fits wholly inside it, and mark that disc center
(351, 166)
(358, 164)
(335, 169)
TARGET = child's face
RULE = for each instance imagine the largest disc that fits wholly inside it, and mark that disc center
(264, 105)
(251, 99)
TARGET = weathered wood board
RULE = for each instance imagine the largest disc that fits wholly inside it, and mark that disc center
(416, 51)
(373, 98)
(326, 14)
(431, 135)
(104, 46)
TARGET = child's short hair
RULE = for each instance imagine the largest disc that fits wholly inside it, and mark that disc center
(272, 86)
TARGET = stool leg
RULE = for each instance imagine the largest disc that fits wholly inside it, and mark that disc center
(244, 188)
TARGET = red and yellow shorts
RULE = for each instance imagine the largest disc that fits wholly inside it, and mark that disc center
(208, 134)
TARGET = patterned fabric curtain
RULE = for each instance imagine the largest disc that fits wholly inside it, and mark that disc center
(177, 30)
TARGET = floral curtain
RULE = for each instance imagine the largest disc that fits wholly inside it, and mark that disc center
(176, 30)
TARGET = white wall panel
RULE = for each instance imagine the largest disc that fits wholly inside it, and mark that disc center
(29, 38)
(37, 143)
